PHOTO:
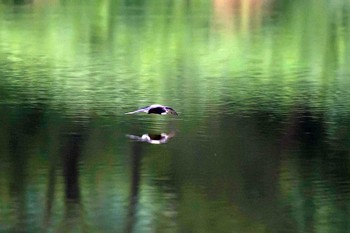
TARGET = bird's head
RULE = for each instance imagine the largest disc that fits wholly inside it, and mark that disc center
(171, 111)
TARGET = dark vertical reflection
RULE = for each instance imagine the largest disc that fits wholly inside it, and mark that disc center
(307, 128)
(50, 195)
(72, 150)
(136, 157)
(25, 126)
(71, 156)
(305, 142)
(52, 143)
(18, 182)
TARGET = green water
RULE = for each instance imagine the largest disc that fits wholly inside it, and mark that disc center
(261, 143)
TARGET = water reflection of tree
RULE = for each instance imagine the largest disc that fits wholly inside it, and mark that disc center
(71, 154)
(26, 123)
(136, 157)
(71, 141)
(316, 170)
(275, 171)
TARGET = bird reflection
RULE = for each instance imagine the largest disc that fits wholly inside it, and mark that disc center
(156, 109)
(152, 138)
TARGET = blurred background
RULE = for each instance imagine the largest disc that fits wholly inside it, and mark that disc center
(261, 144)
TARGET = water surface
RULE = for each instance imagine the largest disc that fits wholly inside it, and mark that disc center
(261, 143)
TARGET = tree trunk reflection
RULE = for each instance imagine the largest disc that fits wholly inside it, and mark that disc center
(136, 157)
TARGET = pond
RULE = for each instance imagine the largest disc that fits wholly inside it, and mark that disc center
(261, 142)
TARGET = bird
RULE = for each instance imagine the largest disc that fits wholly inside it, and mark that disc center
(156, 109)
(152, 138)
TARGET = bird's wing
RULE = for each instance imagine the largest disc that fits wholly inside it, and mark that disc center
(145, 109)
(134, 137)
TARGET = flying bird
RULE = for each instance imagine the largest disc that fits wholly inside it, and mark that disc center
(156, 109)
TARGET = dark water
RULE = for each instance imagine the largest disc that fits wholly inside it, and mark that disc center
(261, 143)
